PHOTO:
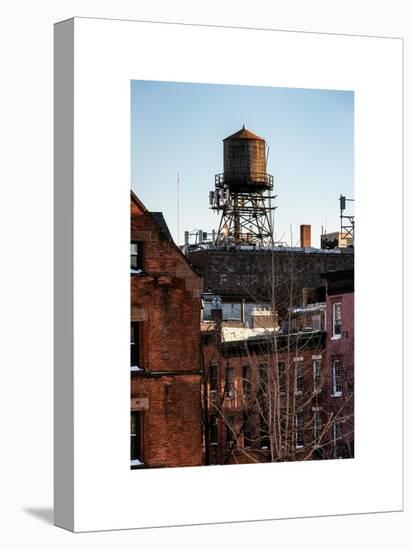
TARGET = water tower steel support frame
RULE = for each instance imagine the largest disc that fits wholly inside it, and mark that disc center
(246, 219)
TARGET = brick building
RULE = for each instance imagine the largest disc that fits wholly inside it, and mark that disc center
(283, 392)
(166, 415)
(248, 386)
(340, 360)
(262, 388)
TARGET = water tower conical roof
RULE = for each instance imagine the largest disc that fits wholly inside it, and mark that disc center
(244, 134)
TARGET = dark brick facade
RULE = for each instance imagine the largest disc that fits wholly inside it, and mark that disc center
(253, 274)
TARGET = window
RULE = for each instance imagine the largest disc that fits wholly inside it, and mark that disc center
(136, 451)
(213, 430)
(337, 320)
(247, 429)
(135, 345)
(136, 256)
(210, 305)
(317, 427)
(337, 379)
(206, 311)
(299, 441)
(231, 311)
(317, 376)
(316, 322)
(336, 436)
(246, 380)
(229, 383)
(213, 378)
(263, 379)
(281, 378)
(230, 431)
(299, 378)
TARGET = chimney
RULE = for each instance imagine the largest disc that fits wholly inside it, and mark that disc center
(305, 236)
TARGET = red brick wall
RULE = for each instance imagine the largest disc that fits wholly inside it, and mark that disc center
(171, 427)
(221, 454)
(342, 348)
(165, 298)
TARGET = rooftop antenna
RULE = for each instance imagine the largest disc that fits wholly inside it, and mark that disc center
(177, 208)
(346, 221)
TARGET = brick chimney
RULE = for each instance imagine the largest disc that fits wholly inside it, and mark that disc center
(305, 236)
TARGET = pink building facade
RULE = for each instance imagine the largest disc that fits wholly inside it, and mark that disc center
(339, 357)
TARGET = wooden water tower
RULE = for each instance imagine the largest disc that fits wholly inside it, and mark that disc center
(243, 192)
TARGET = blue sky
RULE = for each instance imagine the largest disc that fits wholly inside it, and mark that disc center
(179, 128)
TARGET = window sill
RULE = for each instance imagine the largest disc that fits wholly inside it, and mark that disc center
(136, 369)
(336, 337)
(337, 394)
(136, 272)
(135, 464)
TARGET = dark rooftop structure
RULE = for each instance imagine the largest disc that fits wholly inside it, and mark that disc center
(267, 274)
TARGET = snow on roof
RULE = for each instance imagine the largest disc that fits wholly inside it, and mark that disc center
(232, 334)
(310, 308)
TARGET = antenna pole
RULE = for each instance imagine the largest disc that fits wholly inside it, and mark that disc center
(177, 208)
